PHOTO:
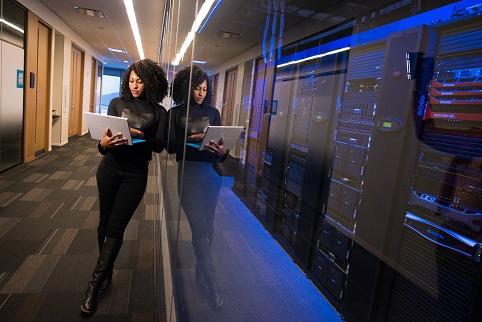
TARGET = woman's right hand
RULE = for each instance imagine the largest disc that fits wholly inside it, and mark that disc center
(109, 141)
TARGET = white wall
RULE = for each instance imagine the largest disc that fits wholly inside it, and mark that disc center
(58, 77)
(70, 37)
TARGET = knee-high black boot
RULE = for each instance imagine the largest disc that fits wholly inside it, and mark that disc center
(101, 235)
(105, 262)
(205, 266)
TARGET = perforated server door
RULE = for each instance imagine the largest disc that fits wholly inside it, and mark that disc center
(439, 269)
(351, 144)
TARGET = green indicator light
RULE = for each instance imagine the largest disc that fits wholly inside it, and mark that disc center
(387, 124)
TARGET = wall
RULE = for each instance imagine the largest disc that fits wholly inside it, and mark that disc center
(70, 37)
(58, 77)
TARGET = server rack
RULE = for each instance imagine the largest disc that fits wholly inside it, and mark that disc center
(373, 275)
(362, 85)
(439, 266)
(300, 139)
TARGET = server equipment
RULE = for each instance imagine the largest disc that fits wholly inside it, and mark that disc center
(366, 165)
(439, 266)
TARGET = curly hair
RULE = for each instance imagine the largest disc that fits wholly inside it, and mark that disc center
(154, 77)
(181, 89)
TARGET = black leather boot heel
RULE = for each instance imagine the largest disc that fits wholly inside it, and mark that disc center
(105, 262)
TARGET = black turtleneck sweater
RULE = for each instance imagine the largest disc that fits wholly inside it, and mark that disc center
(150, 119)
(200, 117)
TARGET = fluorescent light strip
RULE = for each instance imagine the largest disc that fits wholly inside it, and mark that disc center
(314, 57)
(199, 61)
(117, 50)
(135, 28)
(195, 26)
(210, 15)
(11, 25)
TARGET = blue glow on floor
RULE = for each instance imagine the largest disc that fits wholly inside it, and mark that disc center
(304, 300)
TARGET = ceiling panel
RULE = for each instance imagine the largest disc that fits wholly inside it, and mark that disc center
(113, 31)
(244, 17)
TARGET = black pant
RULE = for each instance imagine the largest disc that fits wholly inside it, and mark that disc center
(199, 196)
(121, 188)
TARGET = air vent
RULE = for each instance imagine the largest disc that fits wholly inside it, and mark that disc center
(90, 12)
(227, 34)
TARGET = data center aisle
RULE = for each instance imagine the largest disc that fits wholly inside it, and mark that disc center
(48, 246)
(257, 278)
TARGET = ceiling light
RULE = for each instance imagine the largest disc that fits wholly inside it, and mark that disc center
(117, 50)
(11, 25)
(199, 61)
(314, 57)
(90, 12)
(135, 28)
(228, 34)
(195, 26)
(125, 61)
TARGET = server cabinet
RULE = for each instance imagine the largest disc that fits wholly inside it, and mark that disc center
(301, 155)
(351, 144)
(439, 266)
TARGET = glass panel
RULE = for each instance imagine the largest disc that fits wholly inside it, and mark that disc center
(12, 76)
(110, 90)
(354, 190)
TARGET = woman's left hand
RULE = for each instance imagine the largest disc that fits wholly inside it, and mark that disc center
(217, 148)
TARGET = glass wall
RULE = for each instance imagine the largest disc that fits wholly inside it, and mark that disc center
(111, 82)
(12, 36)
(356, 190)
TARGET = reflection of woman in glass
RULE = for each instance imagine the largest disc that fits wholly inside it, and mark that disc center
(199, 187)
(122, 173)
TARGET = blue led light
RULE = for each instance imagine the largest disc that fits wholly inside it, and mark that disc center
(435, 16)
(210, 15)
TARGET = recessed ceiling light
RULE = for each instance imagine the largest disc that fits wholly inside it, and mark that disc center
(228, 34)
(125, 61)
(117, 50)
(90, 12)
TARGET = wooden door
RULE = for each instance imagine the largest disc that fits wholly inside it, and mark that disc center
(76, 72)
(228, 97)
(42, 88)
(37, 87)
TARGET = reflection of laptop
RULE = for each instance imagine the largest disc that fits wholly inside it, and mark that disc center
(229, 134)
(97, 123)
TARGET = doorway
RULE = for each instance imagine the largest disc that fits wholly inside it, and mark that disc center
(76, 89)
(228, 97)
(43, 77)
(94, 92)
(37, 89)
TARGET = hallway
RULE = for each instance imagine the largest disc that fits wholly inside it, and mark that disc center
(48, 246)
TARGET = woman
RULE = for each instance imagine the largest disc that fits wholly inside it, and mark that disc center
(198, 185)
(122, 172)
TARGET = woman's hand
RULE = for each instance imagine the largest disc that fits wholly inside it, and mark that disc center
(217, 148)
(136, 132)
(109, 141)
(198, 137)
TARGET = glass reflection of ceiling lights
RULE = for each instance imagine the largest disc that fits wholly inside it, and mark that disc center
(135, 28)
(11, 25)
(196, 26)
